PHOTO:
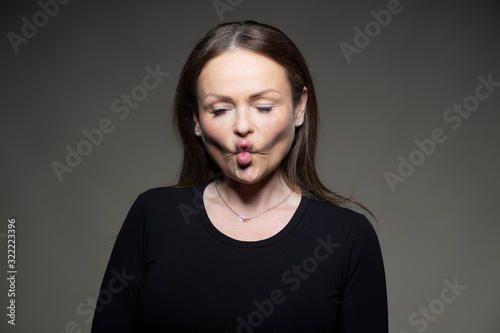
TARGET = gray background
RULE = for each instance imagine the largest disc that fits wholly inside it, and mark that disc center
(440, 224)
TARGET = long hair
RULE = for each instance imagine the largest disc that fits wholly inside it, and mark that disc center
(298, 166)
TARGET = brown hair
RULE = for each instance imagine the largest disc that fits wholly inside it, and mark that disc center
(298, 166)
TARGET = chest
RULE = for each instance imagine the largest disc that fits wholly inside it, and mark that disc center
(203, 285)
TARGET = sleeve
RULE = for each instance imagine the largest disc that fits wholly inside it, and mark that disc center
(364, 299)
(117, 303)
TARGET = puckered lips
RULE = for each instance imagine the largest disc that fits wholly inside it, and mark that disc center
(244, 147)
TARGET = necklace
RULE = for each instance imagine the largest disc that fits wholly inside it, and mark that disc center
(241, 218)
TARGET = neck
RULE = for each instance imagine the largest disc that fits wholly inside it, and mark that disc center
(249, 198)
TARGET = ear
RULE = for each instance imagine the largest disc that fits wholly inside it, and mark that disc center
(197, 126)
(300, 108)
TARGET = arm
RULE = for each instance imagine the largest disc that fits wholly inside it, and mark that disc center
(117, 305)
(364, 299)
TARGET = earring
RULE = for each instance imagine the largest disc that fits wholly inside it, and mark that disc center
(300, 122)
(198, 133)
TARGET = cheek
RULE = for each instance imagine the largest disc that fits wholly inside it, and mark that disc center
(214, 134)
(278, 132)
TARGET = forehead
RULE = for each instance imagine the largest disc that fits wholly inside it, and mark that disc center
(241, 72)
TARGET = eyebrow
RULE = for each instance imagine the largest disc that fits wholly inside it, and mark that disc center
(227, 98)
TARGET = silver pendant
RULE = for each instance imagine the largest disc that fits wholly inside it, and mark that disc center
(242, 218)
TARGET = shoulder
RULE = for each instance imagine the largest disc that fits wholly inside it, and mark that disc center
(329, 211)
(168, 200)
(168, 192)
(340, 220)
(353, 231)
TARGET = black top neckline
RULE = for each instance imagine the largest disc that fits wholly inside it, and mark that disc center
(280, 235)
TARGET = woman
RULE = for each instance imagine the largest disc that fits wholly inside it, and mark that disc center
(249, 240)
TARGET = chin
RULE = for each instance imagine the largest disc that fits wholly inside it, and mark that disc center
(250, 174)
(247, 177)
(244, 175)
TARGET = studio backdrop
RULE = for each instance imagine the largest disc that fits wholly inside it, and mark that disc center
(409, 99)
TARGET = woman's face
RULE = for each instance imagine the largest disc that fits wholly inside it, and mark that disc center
(245, 115)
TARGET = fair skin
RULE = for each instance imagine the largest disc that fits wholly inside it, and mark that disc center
(247, 122)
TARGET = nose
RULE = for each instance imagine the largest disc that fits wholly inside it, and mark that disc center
(243, 122)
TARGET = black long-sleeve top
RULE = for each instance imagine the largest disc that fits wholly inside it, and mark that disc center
(171, 270)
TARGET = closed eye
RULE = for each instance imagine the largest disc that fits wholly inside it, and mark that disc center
(264, 108)
(218, 110)
(221, 110)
